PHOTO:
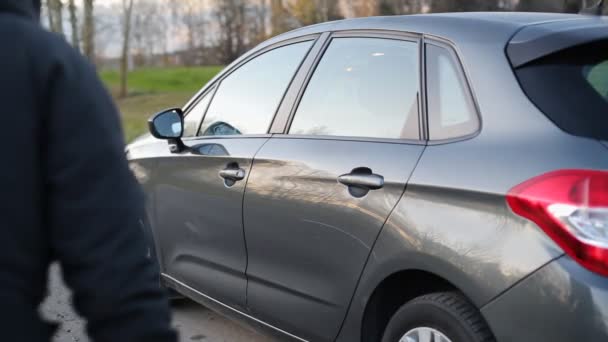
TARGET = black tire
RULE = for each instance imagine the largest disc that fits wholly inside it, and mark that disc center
(448, 312)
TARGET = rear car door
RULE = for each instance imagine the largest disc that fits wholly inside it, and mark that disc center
(199, 193)
(319, 193)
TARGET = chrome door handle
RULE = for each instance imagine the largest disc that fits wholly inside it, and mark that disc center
(233, 174)
(368, 181)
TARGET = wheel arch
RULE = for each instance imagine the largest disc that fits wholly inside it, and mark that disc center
(394, 291)
(387, 284)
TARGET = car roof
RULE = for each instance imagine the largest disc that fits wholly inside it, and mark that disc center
(521, 18)
(452, 26)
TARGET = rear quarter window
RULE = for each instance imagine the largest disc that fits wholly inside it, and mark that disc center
(451, 110)
(571, 88)
(597, 76)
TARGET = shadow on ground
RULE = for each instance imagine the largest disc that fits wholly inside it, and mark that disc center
(194, 322)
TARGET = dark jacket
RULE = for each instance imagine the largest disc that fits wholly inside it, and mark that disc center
(66, 193)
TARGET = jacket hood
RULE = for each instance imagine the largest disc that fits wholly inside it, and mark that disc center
(29, 8)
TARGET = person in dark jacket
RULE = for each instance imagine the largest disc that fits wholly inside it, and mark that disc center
(67, 194)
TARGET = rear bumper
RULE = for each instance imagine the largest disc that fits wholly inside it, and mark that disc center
(560, 302)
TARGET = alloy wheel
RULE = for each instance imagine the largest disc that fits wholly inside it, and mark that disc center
(424, 335)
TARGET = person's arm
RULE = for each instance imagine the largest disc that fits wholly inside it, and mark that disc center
(94, 208)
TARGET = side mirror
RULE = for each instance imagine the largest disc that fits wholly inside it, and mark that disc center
(168, 124)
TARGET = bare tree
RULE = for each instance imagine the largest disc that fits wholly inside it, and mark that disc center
(55, 8)
(551, 5)
(74, 24)
(260, 12)
(279, 17)
(309, 12)
(231, 19)
(192, 18)
(390, 7)
(49, 13)
(575, 6)
(127, 9)
(88, 31)
(188, 19)
(465, 5)
(107, 28)
(149, 30)
(364, 8)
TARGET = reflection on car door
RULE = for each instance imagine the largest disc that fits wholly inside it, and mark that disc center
(198, 215)
(199, 193)
(315, 199)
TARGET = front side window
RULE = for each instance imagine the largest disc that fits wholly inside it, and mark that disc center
(451, 110)
(362, 87)
(194, 116)
(248, 98)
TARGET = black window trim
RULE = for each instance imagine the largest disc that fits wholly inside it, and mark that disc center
(292, 94)
(289, 113)
(208, 91)
(215, 83)
(283, 117)
(463, 73)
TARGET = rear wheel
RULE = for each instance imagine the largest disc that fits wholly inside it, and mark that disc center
(438, 317)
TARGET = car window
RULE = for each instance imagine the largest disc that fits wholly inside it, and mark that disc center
(193, 118)
(362, 87)
(571, 88)
(248, 98)
(450, 107)
(597, 76)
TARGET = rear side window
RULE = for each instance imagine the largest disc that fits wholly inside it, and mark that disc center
(597, 76)
(451, 110)
(571, 88)
(362, 87)
(248, 98)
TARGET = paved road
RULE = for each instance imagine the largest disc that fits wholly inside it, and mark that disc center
(194, 322)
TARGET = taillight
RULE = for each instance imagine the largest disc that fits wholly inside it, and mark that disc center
(571, 206)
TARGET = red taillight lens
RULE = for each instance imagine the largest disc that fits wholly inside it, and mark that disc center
(571, 206)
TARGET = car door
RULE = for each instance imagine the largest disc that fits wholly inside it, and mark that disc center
(318, 195)
(199, 192)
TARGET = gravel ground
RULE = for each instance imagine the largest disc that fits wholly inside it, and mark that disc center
(194, 322)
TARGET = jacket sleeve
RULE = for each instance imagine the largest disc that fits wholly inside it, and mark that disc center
(94, 211)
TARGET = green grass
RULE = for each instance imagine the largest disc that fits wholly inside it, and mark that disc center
(154, 89)
(161, 80)
(137, 109)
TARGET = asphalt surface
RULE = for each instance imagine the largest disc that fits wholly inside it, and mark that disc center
(193, 322)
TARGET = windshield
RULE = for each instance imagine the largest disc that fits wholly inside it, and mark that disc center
(571, 88)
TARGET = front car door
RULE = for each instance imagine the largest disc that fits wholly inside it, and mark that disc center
(199, 193)
(318, 195)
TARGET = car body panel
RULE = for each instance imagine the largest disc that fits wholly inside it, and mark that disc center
(241, 316)
(478, 169)
(536, 41)
(452, 220)
(198, 217)
(307, 237)
(560, 302)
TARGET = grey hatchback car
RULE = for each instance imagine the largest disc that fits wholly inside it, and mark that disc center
(409, 178)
